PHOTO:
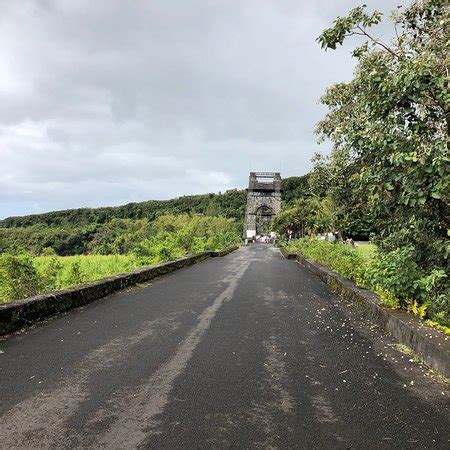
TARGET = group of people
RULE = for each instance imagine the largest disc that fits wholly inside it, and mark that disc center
(263, 239)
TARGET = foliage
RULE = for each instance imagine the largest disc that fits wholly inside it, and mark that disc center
(305, 217)
(119, 229)
(162, 247)
(230, 204)
(18, 277)
(144, 243)
(388, 173)
(34, 239)
(175, 236)
(295, 188)
(341, 258)
(389, 129)
(394, 275)
(50, 274)
(338, 180)
(117, 236)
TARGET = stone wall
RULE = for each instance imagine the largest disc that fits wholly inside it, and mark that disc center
(431, 345)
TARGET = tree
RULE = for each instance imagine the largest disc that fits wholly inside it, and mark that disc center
(389, 126)
(307, 216)
(340, 180)
(18, 277)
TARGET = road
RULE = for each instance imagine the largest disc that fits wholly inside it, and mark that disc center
(245, 351)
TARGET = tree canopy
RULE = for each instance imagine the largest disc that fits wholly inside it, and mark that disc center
(389, 166)
(389, 127)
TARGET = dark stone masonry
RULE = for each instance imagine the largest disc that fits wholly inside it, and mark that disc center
(263, 201)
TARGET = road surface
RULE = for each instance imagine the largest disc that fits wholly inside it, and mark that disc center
(245, 351)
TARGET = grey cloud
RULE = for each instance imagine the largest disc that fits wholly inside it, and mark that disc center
(109, 101)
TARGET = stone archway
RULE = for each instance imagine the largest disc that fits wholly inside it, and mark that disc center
(263, 195)
(263, 219)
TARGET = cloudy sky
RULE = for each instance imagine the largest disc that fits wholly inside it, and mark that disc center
(104, 102)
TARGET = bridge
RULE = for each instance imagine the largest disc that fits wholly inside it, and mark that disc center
(249, 350)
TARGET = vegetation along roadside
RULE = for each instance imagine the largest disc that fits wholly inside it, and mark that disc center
(167, 238)
(388, 174)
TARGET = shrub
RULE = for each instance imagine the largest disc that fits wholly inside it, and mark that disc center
(222, 239)
(394, 275)
(160, 248)
(50, 273)
(18, 277)
(340, 258)
(75, 275)
(167, 238)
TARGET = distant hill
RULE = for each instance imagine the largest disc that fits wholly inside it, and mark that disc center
(229, 204)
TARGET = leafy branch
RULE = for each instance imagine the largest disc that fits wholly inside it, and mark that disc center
(356, 23)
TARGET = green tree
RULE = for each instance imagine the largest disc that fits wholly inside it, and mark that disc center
(389, 128)
(50, 274)
(342, 181)
(389, 125)
(18, 277)
(307, 216)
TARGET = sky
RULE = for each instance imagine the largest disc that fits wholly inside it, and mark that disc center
(107, 102)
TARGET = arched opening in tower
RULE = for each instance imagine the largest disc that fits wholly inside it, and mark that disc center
(264, 216)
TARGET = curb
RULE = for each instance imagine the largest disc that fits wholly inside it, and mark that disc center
(431, 345)
(21, 313)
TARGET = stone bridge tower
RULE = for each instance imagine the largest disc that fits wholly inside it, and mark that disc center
(263, 201)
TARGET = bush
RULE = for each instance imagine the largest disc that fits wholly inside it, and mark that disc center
(50, 274)
(18, 277)
(223, 239)
(394, 275)
(341, 258)
(75, 275)
(162, 247)
(167, 238)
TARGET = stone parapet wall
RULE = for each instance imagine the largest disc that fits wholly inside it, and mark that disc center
(431, 345)
(21, 313)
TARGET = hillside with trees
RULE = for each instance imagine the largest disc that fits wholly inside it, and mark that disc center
(115, 229)
(230, 204)
(387, 177)
(44, 252)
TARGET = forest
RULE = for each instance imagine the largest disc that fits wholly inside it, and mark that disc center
(116, 229)
(121, 246)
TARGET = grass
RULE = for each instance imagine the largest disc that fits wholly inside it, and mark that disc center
(120, 250)
(26, 276)
(438, 326)
(87, 267)
(343, 259)
(394, 277)
(407, 351)
(367, 251)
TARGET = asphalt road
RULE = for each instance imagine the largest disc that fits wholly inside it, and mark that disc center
(245, 351)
